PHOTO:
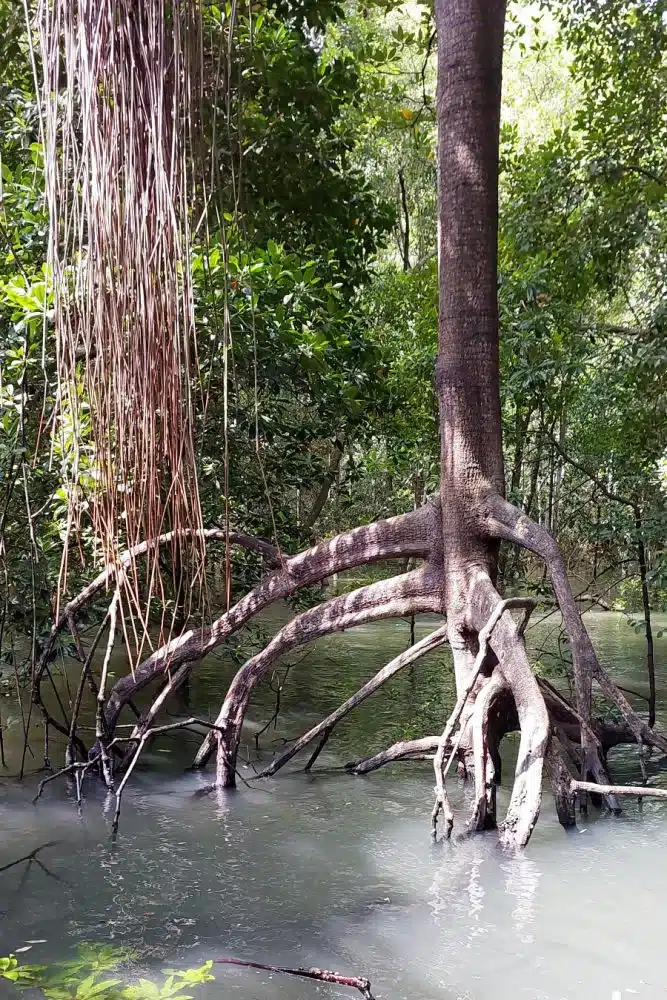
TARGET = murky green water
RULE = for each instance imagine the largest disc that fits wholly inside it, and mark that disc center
(339, 871)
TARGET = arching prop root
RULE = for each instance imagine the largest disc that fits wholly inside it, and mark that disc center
(396, 538)
(507, 522)
(407, 535)
(112, 573)
(442, 765)
(420, 749)
(412, 593)
(359, 983)
(324, 729)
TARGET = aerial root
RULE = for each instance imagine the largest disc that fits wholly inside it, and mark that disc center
(508, 522)
(112, 572)
(359, 983)
(420, 749)
(441, 765)
(409, 534)
(325, 728)
(411, 593)
(485, 756)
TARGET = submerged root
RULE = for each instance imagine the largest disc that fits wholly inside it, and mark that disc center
(412, 593)
(324, 729)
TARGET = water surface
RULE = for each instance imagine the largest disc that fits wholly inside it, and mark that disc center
(338, 871)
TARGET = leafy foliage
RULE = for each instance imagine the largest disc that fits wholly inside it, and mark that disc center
(86, 977)
(315, 271)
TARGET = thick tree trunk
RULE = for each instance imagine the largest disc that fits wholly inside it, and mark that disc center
(458, 538)
(470, 47)
(467, 371)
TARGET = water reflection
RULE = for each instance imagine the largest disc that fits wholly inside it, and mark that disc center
(341, 872)
(522, 882)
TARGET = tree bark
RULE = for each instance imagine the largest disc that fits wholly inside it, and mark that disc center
(459, 537)
(470, 47)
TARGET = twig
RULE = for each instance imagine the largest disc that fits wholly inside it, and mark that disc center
(82, 766)
(359, 983)
(276, 711)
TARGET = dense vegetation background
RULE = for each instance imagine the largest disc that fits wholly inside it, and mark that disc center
(316, 280)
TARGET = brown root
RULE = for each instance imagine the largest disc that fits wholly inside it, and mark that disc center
(412, 593)
(326, 726)
(561, 783)
(409, 534)
(359, 983)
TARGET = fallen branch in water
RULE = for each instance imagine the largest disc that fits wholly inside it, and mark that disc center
(30, 857)
(359, 983)
(640, 791)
